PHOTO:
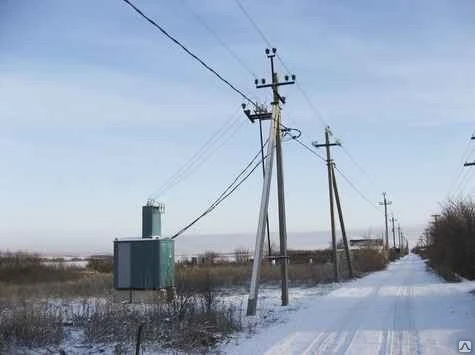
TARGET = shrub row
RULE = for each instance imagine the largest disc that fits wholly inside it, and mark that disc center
(449, 243)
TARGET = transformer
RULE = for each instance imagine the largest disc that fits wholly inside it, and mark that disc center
(144, 263)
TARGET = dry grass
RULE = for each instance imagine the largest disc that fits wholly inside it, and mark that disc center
(228, 275)
(194, 321)
(103, 264)
(23, 276)
(89, 285)
(369, 260)
(24, 268)
(30, 324)
(188, 323)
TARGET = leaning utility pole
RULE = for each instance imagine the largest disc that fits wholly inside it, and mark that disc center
(342, 224)
(261, 114)
(386, 203)
(394, 235)
(332, 188)
(273, 142)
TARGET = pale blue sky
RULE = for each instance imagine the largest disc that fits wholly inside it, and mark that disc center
(98, 109)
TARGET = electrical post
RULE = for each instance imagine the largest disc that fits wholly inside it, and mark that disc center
(386, 203)
(342, 224)
(261, 114)
(282, 217)
(472, 163)
(327, 145)
(393, 230)
(399, 235)
(436, 218)
(273, 142)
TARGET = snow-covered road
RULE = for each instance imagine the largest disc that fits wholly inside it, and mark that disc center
(402, 310)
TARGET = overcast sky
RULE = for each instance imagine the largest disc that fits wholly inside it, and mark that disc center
(98, 110)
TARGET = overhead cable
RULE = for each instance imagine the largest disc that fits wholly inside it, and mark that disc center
(357, 190)
(352, 185)
(238, 59)
(230, 127)
(189, 52)
(235, 184)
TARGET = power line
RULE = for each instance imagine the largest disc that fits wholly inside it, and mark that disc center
(199, 163)
(341, 173)
(253, 23)
(460, 169)
(226, 193)
(194, 162)
(357, 190)
(315, 110)
(189, 52)
(310, 149)
(219, 40)
(464, 182)
(187, 174)
(261, 33)
(360, 168)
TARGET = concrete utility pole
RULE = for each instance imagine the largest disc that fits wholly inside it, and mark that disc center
(394, 234)
(331, 189)
(273, 142)
(257, 115)
(342, 224)
(386, 203)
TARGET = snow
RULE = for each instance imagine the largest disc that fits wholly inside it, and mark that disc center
(76, 263)
(405, 309)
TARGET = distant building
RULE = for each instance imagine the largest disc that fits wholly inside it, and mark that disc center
(366, 243)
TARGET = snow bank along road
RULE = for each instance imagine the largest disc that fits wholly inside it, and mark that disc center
(404, 309)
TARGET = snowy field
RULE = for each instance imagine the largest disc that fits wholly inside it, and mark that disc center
(270, 312)
(404, 309)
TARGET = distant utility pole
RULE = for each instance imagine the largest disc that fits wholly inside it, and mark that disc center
(273, 142)
(399, 235)
(332, 188)
(394, 234)
(386, 203)
(436, 217)
(472, 163)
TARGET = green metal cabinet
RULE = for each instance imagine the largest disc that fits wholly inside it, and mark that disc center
(144, 264)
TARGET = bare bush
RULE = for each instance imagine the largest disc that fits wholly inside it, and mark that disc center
(104, 264)
(189, 322)
(449, 244)
(24, 268)
(368, 260)
(31, 325)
